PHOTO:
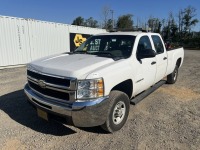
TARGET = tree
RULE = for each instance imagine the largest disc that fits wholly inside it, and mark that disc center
(90, 22)
(105, 16)
(180, 21)
(170, 29)
(79, 21)
(125, 22)
(188, 18)
(154, 24)
(109, 25)
(173, 28)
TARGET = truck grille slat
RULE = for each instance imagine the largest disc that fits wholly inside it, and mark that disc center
(52, 86)
(49, 79)
(48, 92)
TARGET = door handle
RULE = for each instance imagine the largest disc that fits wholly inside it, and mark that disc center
(153, 63)
(164, 58)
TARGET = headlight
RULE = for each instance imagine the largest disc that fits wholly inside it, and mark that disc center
(88, 89)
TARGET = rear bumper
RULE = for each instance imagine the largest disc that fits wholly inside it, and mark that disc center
(83, 114)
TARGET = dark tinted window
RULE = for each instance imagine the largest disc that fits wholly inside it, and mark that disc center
(116, 45)
(158, 44)
(144, 44)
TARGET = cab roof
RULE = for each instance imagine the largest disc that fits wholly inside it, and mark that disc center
(134, 33)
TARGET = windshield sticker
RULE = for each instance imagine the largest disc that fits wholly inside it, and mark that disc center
(85, 48)
(114, 40)
(94, 45)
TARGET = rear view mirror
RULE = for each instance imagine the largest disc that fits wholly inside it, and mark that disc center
(146, 53)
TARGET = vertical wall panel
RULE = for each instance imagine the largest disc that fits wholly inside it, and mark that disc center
(24, 40)
(47, 38)
(13, 41)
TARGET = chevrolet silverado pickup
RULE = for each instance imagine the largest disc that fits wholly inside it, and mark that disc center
(95, 84)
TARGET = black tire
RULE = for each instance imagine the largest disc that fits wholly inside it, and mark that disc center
(117, 116)
(171, 78)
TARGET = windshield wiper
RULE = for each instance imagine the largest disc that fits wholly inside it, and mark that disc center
(101, 54)
(104, 53)
(109, 54)
(119, 57)
(80, 52)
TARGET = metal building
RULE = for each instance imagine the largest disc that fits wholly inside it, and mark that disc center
(23, 40)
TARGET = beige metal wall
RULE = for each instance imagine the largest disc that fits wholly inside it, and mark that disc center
(23, 40)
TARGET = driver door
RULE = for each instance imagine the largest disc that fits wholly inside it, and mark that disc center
(146, 66)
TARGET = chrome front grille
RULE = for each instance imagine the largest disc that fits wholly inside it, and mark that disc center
(52, 86)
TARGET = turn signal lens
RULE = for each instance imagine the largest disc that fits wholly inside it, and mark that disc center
(90, 88)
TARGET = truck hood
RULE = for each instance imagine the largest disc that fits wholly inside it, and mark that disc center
(75, 65)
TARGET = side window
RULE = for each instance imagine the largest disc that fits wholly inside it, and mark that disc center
(158, 44)
(144, 45)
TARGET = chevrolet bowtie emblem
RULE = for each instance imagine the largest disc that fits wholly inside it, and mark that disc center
(42, 84)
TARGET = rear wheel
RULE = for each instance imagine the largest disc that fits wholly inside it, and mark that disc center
(118, 111)
(171, 78)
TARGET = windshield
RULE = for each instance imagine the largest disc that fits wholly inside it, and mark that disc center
(108, 46)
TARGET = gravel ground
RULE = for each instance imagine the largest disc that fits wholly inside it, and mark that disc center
(169, 118)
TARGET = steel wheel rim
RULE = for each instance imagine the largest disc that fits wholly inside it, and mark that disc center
(119, 112)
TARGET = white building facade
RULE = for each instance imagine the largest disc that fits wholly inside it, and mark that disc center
(23, 40)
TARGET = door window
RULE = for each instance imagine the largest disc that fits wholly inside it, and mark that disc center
(158, 44)
(144, 45)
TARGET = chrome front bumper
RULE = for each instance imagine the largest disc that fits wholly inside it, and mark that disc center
(83, 114)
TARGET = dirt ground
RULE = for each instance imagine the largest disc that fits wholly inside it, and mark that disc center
(169, 118)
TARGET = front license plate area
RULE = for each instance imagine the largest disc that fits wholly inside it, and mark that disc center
(42, 114)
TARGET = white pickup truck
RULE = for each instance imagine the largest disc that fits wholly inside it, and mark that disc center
(95, 84)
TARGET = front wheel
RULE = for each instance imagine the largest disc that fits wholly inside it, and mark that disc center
(171, 78)
(118, 111)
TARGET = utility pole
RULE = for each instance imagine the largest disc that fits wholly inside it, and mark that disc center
(112, 12)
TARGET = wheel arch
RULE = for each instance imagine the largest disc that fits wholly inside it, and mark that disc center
(178, 62)
(125, 86)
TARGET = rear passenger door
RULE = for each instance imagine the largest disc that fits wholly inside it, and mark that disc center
(161, 57)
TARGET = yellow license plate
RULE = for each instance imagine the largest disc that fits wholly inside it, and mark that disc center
(42, 114)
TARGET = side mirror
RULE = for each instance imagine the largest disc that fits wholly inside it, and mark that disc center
(146, 53)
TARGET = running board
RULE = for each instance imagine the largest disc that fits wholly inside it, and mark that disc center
(141, 96)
